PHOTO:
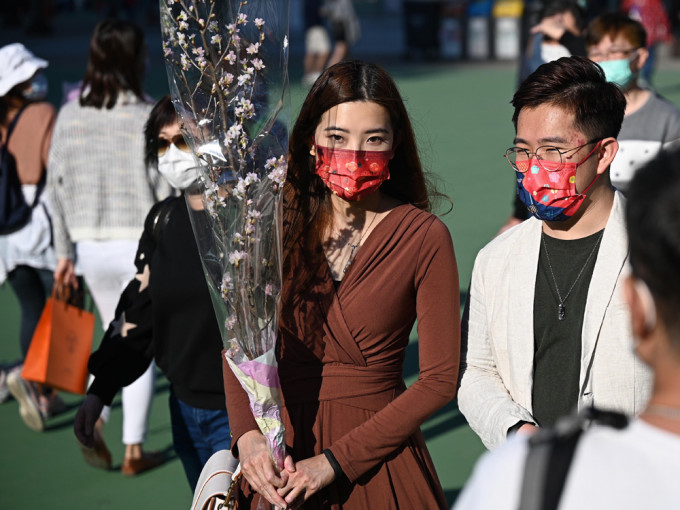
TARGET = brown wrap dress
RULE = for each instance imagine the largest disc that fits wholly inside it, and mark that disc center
(341, 355)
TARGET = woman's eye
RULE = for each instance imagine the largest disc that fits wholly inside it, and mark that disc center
(335, 138)
(376, 140)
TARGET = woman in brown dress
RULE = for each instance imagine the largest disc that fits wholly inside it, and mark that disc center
(363, 259)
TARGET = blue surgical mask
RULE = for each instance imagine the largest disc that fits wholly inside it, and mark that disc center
(37, 91)
(618, 71)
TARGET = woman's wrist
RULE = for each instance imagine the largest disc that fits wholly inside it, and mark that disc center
(339, 473)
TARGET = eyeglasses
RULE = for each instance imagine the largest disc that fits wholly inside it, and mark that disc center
(550, 159)
(612, 54)
(178, 141)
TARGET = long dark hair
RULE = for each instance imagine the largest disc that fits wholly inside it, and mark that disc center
(307, 206)
(115, 63)
(13, 98)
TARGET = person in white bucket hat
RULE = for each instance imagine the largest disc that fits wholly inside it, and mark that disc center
(17, 66)
(27, 258)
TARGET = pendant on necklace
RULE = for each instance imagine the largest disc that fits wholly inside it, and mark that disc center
(561, 312)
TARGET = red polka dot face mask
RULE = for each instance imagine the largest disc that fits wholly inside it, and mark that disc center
(352, 175)
(548, 189)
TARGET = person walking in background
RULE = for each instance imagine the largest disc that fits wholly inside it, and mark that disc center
(168, 318)
(652, 15)
(637, 466)
(545, 329)
(344, 27)
(101, 193)
(363, 259)
(27, 258)
(651, 124)
(317, 43)
(559, 33)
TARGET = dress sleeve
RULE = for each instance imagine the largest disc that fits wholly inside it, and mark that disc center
(241, 418)
(438, 313)
(126, 349)
(482, 396)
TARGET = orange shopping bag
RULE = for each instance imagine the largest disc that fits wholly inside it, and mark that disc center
(61, 345)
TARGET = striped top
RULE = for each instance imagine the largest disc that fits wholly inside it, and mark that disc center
(97, 181)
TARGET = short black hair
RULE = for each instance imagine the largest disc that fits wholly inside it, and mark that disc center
(653, 221)
(577, 85)
(163, 114)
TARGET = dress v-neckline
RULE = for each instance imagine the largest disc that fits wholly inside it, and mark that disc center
(337, 284)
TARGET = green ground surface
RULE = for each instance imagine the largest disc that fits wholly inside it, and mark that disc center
(462, 117)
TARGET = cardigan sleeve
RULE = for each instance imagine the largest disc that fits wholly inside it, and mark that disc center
(438, 312)
(55, 171)
(126, 349)
(482, 396)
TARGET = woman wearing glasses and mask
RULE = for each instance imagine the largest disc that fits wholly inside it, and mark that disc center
(363, 259)
(165, 313)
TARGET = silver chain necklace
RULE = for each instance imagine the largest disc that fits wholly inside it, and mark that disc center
(561, 310)
(353, 247)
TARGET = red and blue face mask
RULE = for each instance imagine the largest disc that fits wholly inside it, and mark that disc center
(550, 195)
(352, 175)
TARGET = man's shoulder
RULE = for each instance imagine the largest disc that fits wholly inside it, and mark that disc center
(506, 242)
(661, 111)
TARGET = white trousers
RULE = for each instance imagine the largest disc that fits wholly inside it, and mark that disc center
(107, 267)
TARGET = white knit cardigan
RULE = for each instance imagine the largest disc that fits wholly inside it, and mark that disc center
(96, 180)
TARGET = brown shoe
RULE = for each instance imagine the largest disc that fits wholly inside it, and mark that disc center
(150, 460)
(98, 457)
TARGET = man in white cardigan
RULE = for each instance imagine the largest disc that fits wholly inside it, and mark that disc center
(546, 329)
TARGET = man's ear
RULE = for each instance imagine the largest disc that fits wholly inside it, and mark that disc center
(607, 151)
(640, 60)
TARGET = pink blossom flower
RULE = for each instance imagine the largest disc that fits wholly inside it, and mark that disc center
(258, 64)
(269, 289)
(216, 39)
(231, 322)
(242, 19)
(259, 22)
(253, 49)
(231, 57)
(237, 256)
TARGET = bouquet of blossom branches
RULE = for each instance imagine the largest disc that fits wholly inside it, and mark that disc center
(227, 68)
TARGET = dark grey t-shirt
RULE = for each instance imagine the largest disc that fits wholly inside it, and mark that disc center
(557, 343)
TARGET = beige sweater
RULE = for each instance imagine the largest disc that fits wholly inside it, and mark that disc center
(97, 181)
